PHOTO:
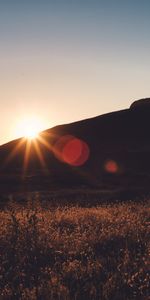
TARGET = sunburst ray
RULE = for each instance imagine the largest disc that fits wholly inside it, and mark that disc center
(45, 143)
(13, 153)
(26, 157)
(40, 156)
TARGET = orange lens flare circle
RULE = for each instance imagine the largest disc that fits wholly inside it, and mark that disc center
(72, 150)
(111, 167)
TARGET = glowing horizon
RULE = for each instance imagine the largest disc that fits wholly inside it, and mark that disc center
(64, 61)
(29, 127)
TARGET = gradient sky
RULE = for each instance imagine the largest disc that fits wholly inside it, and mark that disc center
(66, 60)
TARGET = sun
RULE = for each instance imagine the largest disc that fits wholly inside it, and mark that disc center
(29, 127)
(31, 132)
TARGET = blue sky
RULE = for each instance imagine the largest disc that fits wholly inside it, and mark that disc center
(63, 61)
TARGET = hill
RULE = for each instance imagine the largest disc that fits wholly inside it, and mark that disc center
(107, 151)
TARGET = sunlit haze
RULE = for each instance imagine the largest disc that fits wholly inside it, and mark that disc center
(28, 127)
(67, 60)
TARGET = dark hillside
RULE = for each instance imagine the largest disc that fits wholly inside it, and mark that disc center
(110, 150)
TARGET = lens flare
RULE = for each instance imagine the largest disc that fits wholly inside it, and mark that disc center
(111, 167)
(72, 150)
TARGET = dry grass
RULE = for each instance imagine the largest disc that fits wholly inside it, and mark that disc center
(74, 252)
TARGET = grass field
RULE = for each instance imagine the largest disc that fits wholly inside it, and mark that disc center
(73, 252)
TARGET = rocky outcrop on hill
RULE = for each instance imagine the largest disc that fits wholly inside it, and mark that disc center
(141, 104)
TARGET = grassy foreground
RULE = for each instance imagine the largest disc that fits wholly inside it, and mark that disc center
(75, 252)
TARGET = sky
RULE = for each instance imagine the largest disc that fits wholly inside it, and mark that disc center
(67, 60)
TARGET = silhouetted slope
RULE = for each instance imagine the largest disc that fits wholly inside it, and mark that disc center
(118, 144)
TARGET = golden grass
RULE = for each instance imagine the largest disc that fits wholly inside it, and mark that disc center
(73, 252)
